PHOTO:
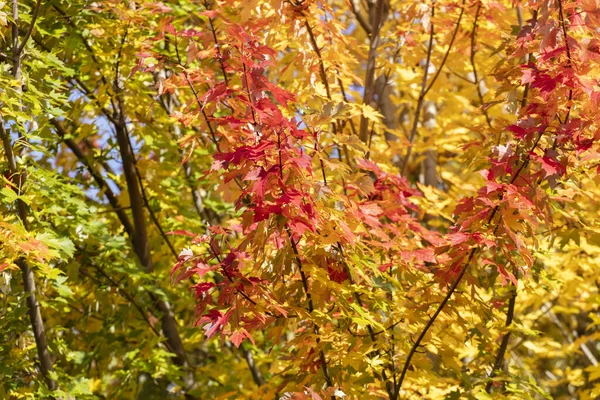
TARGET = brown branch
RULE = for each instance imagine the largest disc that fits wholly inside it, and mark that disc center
(216, 40)
(135, 197)
(426, 88)
(360, 18)
(34, 17)
(141, 242)
(464, 269)
(18, 179)
(316, 49)
(473, 66)
(505, 339)
(254, 370)
(142, 246)
(417, 343)
(29, 285)
(100, 181)
(197, 98)
(370, 71)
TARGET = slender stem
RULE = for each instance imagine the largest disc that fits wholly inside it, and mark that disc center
(452, 39)
(569, 62)
(254, 370)
(316, 49)
(17, 178)
(466, 266)
(304, 280)
(100, 181)
(217, 45)
(370, 71)
(505, 339)
(34, 17)
(417, 343)
(197, 98)
(413, 131)
(360, 18)
(473, 66)
(437, 73)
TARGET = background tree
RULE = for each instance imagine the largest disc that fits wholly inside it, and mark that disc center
(367, 199)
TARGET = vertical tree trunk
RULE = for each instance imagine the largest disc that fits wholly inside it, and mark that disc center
(33, 306)
(142, 246)
(18, 178)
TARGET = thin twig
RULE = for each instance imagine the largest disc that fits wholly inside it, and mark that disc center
(505, 339)
(34, 16)
(100, 181)
(426, 88)
(360, 18)
(464, 269)
(413, 131)
(569, 62)
(473, 66)
(370, 70)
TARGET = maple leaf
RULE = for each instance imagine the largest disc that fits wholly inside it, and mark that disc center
(337, 274)
(238, 336)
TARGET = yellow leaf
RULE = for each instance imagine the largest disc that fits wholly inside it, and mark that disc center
(369, 113)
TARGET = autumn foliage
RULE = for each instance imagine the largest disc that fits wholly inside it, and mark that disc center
(272, 199)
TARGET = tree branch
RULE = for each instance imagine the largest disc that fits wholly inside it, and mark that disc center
(370, 72)
(18, 179)
(34, 17)
(360, 18)
(33, 306)
(505, 339)
(256, 374)
(464, 269)
(472, 58)
(141, 242)
(110, 196)
(426, 88)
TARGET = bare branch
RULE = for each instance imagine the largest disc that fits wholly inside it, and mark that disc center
(359, 17)
(475, 76)
(505, 339)
(370, 72)
(100, 181)
(34, 17)
(33, 306)
(256, 374)
(426, 88)
(460, 276)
